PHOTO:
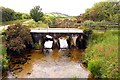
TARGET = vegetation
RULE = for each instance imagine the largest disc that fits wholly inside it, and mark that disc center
(33, 24)
(36, 13)
(56, 15)
(17, 37)
(3, 54)
(9, 14)
(102, 55)
(102, 11)
(102, 14)
(14, 22)
(37, 46)
(3, 58)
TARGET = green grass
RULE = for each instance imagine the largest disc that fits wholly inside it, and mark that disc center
(3, 56)
(33, 24)
(102, 55)
(13, 22)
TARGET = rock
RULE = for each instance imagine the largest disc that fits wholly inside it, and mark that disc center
(19, 68)
(85, 64)
(16, 77)
(28, 55)
(17, 62)
(28, 59)
(28, 73)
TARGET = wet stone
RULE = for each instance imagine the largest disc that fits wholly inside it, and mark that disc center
(28, 59)
(28, 73)
(28, 55)
(19, 68)
(17, 62)
(16, 77)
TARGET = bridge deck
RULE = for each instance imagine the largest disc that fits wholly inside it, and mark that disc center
(56, 30)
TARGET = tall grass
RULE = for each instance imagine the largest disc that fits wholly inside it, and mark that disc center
(14, 22)
(102, 55)
(3, 55)
(33, 24)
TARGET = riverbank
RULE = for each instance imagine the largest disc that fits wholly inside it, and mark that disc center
(102, 55)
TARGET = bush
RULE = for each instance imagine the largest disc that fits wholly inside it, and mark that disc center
(88, 32)
(89, 23)
(33, 24)
(3, 57)
(17, 37)
(37, 46)
(94, 66)
(3, 60)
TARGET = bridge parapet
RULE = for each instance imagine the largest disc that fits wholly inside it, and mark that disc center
(56, 30)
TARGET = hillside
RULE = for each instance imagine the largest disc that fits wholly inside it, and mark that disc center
(56, 14)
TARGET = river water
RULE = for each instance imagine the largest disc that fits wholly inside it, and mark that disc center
(50, 64)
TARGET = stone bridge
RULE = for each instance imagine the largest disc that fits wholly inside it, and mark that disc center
(73, 36)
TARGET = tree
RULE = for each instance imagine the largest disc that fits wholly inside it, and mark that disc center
(102, 11)
(36, 13)
(18, 15)
(26, 16)
(17, 37)
(7, 14)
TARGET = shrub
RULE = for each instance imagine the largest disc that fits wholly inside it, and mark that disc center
(3, 57)
(17, 37)
(88, 32)
(94, 66)
(37, 46)
(33, 24)
(89, 23)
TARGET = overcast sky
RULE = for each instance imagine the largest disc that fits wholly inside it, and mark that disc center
(70, 7)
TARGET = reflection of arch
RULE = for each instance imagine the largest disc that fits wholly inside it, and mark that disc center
(48, 42)
(63, 42)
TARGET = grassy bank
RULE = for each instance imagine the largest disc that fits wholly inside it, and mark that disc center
(3, 56)
(102, 55)
(13, 22)
(32, 24)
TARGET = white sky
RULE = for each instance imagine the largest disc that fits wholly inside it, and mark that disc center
(70, 7)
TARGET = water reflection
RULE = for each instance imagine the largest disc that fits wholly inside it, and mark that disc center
(63, 43)
(50, 63)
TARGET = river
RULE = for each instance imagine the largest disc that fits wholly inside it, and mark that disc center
(50, 64)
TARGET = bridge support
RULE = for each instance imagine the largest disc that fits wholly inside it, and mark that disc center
(73, 39)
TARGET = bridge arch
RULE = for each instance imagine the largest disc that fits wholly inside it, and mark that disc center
(73, 38)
